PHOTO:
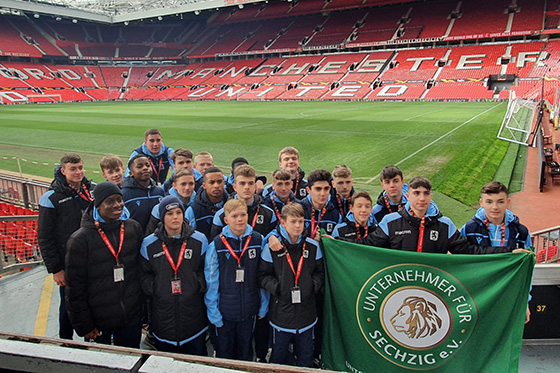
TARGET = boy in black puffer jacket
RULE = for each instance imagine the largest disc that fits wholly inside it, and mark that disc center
(173, 275)
(293, 276)
(103, 295)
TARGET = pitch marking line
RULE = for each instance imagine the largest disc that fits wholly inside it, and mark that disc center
(436, 140)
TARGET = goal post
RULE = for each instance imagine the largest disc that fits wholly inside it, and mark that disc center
(518, 121)
(45, 98)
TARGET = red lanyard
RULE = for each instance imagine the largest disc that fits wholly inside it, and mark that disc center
(228, 246)
(108, 243)
(170, 259)
(389, 205)
(502, 229)
(86, 195)
(255, 217)
(154, 167)
(358, 230)
(341, 205)
(297, 183)
(313, 227)
(421, 232)
(299, 266)
(276, 207)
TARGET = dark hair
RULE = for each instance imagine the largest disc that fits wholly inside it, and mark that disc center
(152, 131)
(360, 194)
(131, 160)
(70, 158)
(318, 175)
(418, 182)
(390, 172)
(238, 161)
(181, 152)
(212, 170)
(494, 187)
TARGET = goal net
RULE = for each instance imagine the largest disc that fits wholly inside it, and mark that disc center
(45, 98)
(518, 121)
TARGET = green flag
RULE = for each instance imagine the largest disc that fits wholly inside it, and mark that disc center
(389, 310)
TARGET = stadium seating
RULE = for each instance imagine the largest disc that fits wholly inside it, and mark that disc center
(397, 91)
(458, 91)
(426, 21)
(418, 65)
(477, 15)
(15, 43)
(529, 15)
(475, 62)
(284, 44)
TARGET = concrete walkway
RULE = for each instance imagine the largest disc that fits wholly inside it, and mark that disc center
(539, 210)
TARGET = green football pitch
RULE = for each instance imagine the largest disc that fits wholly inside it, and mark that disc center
(454, 144)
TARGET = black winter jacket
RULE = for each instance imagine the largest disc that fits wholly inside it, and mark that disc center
(60, 214)
(266, 219)
(400, 231)
(276, 276)
(201, 213)
(93, 299)
(175, 317)
(140, 200)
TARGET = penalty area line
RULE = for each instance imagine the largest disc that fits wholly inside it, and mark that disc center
(438, 139)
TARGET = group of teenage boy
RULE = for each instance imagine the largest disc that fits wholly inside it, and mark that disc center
(201, 255)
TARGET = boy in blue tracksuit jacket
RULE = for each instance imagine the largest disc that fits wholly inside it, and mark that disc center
(233, 298)
(293, 276)
(359, 221)
(394, 193)
(209, 200)
(281, 193)
(342, 190)
(140, 192)
(261, 217)
(158, 154)
(320, 211)
(495, 225)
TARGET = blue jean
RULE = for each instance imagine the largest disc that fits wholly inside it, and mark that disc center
(303, 347)
(235, 339)
(65, 330)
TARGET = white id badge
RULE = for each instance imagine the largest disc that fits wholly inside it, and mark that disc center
(118, 273)
(239, 275)
(296, 295)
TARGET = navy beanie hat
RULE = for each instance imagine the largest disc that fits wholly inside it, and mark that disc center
(169, 203)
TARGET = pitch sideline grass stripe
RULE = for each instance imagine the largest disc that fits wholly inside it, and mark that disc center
(438, 139)
(44, 307)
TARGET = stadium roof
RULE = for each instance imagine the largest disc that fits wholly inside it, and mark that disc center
(114, 11)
